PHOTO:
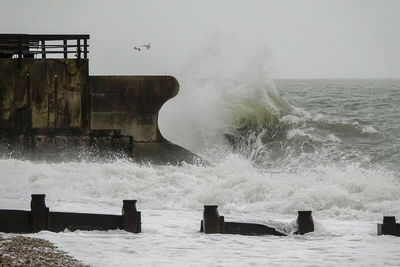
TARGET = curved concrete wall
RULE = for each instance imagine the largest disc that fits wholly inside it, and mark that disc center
(130, 104)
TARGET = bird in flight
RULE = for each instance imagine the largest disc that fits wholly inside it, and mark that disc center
(147, 46)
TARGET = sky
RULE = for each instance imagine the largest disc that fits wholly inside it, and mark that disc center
(305, 38)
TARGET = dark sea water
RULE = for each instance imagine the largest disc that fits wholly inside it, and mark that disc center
(364, 116)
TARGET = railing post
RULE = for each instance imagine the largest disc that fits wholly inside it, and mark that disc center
(19, 51)
(43, 48)
(85, 49)
(19, 48)
(78, 43)
(39, 213)
(65, 48)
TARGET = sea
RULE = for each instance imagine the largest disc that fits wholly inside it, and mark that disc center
(272, 147)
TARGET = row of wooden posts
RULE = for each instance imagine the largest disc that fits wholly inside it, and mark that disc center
(41, 218)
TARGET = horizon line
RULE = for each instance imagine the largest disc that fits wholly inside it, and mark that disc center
(335, 78)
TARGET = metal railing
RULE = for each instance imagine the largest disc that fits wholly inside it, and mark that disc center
(29, 45)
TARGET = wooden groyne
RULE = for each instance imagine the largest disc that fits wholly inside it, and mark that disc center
(41, 218)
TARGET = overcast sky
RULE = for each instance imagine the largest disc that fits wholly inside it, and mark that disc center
(306, 38)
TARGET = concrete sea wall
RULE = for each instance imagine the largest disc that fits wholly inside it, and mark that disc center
(52, 108)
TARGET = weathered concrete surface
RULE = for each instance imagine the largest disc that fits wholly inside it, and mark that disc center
(103, 146)
(66, 148)
(44, 96)
(131, 104)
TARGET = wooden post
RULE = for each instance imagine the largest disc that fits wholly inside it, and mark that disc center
(139, 222)
(211, 219)
(305, 222)
(39, 213)
(131, 217)
(65, 48)
(389, 226)
(43, 49)
(85, 49)
(222, 224)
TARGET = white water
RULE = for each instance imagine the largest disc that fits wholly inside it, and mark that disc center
(171, 238)
(223, 85)
(347, 204)
(234, 184)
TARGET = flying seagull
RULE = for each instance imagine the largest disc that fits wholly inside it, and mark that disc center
(147, 46)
